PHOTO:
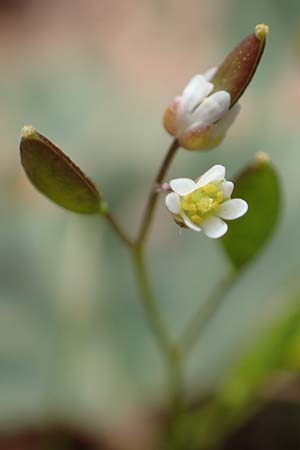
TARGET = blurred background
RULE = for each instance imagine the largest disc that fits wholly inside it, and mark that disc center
(95, 76)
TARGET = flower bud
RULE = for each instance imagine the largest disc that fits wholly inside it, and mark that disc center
(200, 117)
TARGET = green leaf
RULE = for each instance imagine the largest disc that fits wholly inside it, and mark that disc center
(277, 349)
(237, 70)
(259, 185)
(242, 393)
(55, 175)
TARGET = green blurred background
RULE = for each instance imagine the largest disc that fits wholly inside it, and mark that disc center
(95, 77)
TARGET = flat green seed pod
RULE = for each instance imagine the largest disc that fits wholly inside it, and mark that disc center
(55, 175)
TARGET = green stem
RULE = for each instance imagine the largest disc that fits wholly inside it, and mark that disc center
(153, 196)
(202, 318)
(117, 229)
(164, 341)
(168, 349)
(149, 304)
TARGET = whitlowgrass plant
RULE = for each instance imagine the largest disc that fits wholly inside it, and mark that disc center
(198, 120)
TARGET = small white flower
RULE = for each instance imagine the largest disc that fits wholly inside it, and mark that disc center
(198, 118)
(204, 203)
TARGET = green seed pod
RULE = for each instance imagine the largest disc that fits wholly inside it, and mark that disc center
(237, 70)
(56, 176)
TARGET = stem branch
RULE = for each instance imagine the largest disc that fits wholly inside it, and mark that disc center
(117, 229)
(201, 319)
(153, 196)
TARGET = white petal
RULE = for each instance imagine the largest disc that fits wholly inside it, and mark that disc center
(182, 186)
(210, 73)
(212, 108)
(183, 115)
(214, 227)
(232, 209)
(214, 174)
(225, 123)
(190, 224)
(227, 188)
(173, 203)
(196, 90)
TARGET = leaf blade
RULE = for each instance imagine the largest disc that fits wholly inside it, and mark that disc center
(259, 185)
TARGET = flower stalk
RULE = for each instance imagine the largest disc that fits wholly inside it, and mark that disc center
(117, 229)
(154, 193)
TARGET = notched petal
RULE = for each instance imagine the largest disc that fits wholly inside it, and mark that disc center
(173, 203)
(196, 90)
(227, 188)
(212, 108)
(214, 227)
(214, 174)
(182, 186)
(233, 209)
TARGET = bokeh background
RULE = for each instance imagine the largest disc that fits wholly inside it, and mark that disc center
(95, 77)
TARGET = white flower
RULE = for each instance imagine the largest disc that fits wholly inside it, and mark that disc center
(204, 203)
(198, 118)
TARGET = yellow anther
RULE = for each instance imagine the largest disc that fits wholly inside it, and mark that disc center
(184, 205)
(191, 207)
(196, 219)
(219, 196)
(210, 188)
(202, 202)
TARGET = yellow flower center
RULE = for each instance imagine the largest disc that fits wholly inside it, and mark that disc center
(203, 202)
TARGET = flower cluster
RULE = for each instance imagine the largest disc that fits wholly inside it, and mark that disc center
(199, 118)
(204, 203)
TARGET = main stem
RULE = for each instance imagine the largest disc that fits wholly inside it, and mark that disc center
(168, 348)
(149, 304)
(153, 196)
(159, 331)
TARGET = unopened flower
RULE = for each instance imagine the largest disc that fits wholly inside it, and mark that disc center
(204, 203)
(198, 118)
